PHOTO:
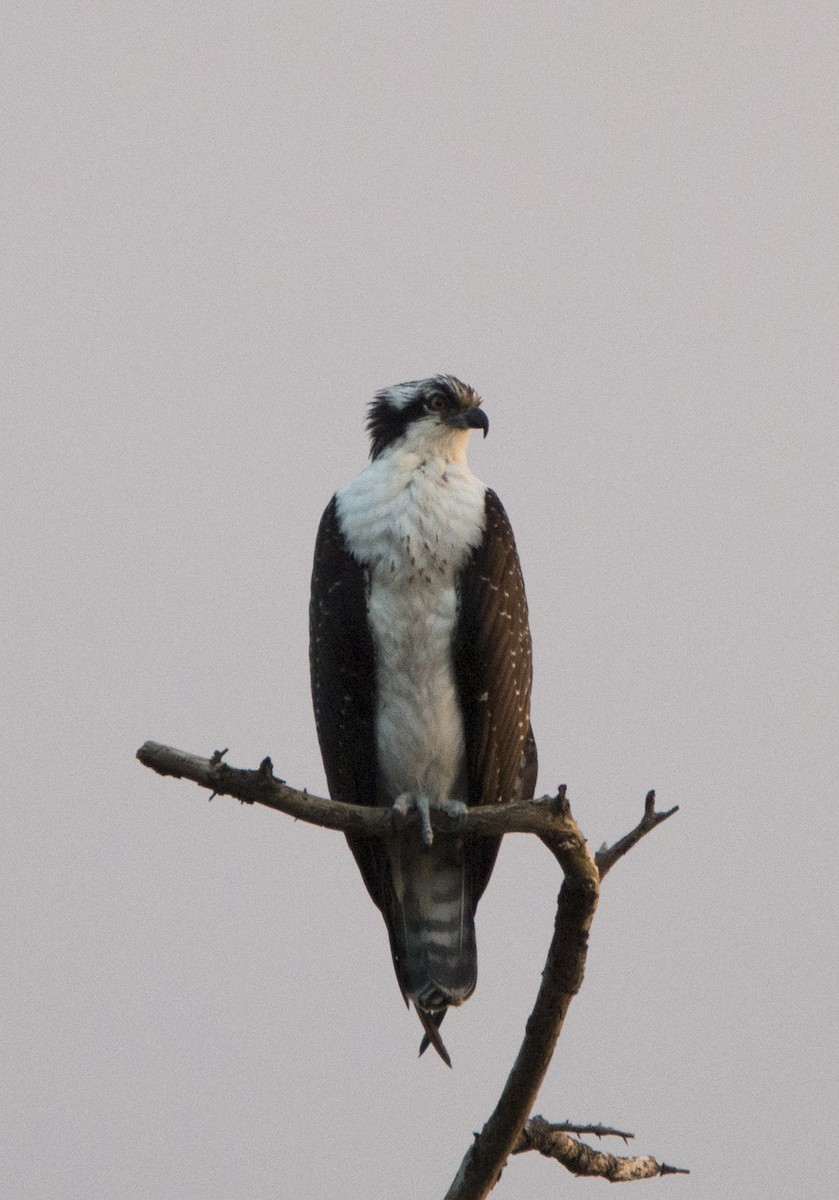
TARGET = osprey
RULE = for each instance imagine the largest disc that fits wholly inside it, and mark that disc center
(421, 673)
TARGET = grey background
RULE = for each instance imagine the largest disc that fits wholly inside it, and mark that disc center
(224, 227)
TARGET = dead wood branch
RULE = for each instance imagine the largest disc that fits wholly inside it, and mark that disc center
(580, 1159)
(608, 856)
(561, 979)
(508, 1129)
(486, 1157)
(598, 1131)
(548, 818)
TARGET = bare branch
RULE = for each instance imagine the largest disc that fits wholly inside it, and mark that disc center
(548, 818)
(508, 1129)
(561, 980)
(598, 1131)
(260, 787)
(549, 1140)
(608, 856)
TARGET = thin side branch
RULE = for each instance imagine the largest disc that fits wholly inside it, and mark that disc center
(598, 1131)
(608, 856)
(580, 1159)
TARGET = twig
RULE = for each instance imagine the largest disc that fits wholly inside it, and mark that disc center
(598, 1131)
(608, 856)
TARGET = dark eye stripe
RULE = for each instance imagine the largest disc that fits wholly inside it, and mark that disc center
(387, 421)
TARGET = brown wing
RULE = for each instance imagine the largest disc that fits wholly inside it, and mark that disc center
(493, 665)
(342, 664)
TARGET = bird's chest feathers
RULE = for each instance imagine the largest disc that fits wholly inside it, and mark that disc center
(413, 527)
(412, 523)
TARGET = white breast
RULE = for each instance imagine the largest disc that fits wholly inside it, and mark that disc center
(413, 522)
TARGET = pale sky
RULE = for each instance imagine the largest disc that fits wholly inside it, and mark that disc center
(225, 226)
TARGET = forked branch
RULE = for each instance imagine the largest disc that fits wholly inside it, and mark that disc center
(607, 856)
(508, 1130)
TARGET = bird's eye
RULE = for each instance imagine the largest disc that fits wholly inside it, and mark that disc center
(436, 403)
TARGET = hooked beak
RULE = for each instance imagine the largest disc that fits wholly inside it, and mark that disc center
(470, 418)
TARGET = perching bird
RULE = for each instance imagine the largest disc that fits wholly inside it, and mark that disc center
(421, 673)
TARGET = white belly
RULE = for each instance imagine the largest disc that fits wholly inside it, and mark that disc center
(419, 728)
(413, 525)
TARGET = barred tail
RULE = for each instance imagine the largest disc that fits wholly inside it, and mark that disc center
(432, 930)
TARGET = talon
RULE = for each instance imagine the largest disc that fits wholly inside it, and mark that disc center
(455, 809)
(402, 805)
(424, 810)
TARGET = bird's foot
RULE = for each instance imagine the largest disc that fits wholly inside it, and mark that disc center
(455, 809)
(403, 804)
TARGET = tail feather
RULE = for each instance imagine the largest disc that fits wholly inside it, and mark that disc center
(432, 930)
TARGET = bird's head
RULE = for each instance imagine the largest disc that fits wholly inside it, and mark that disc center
(429, 416)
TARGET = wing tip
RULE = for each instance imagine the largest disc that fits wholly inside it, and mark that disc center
(431, 1023)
